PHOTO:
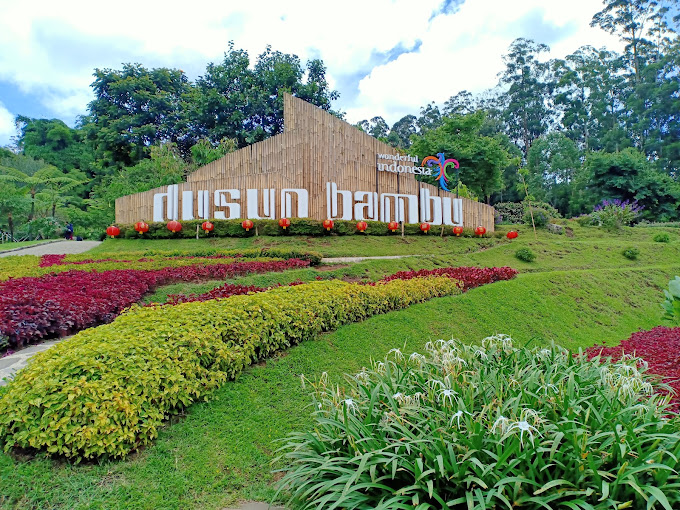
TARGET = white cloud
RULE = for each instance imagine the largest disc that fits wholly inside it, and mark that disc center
(50, 49)
(7, 129)
(463, 51)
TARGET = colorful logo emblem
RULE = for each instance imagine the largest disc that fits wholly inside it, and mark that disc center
(443, 165)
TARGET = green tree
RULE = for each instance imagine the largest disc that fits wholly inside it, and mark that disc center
(482, 158)
(527, 108)
(552, 164)
(31, 184)
(401, 132)
(58, 188)
(234, 101)
(164, 166)
(629, 19)
(135, 108)
(205, 152)
(628, 175)
(55, 143)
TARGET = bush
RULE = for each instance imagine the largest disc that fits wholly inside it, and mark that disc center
(671, 305)
(662, 237)
(486, 426)
(525, 254)
(631, 253)
(509, 212)
(586, 220)
(541, 217)
(298, 226)
(107, 390)
(614, 215)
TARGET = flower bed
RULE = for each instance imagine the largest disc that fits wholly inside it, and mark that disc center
(659, 348)
(107, 390)
(30, 265)
(487, 426)
(470, 277)
(55, 305)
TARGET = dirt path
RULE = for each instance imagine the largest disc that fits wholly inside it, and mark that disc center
(55, 248)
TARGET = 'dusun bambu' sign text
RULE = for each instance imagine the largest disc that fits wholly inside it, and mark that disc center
(320, 167)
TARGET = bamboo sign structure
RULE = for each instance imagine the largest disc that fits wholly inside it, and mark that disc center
(320, 167)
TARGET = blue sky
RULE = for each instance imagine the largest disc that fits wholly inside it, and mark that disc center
(386, 57)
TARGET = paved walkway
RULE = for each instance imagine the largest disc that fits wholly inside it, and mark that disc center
(10, 364)
(54, 248)
(340, 260)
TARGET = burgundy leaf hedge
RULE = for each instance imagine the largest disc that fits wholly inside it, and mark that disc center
(59, 304)
(659, 347)
(470, 277)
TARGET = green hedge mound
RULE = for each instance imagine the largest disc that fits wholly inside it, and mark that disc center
(106, 391)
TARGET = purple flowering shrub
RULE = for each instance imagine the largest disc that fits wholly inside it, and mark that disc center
(615, 214)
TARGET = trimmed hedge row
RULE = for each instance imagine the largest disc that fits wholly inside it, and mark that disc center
(298, 227)
(107, 390)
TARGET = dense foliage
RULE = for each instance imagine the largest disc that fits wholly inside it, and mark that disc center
(107, 390)
(487, 426)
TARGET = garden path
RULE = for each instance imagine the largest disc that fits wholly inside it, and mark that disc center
(339, 260)
(54, 248)
(9, 365)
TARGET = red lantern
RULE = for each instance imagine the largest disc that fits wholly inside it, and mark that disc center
(328, 224)
(362, 226)
(112, 231)
(141, 227)
(512, 234)
(174, 226)
(480, 231)
(458, 231)
(207, 226)
(393, 226)
(284, 223)
(425, 227)
(247, 224)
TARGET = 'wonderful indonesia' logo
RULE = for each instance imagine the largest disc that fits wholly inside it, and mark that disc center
(400, 164)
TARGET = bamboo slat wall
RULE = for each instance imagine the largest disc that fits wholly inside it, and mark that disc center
(315, 148)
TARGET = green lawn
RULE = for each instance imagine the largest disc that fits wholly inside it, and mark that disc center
(13, 246)
(579, 292)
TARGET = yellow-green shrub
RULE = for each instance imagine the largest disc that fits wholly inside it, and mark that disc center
(107, 390)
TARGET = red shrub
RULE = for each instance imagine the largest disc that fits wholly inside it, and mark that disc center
(469, 276)
(659, 347)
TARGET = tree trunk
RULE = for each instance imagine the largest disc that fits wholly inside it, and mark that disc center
(32, 213)
(10, 223)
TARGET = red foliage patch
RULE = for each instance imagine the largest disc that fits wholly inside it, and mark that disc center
(59, 304)
(470, 277)
(59, 260)
(659, 347)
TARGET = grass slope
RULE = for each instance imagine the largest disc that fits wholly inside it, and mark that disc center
(578, 293)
